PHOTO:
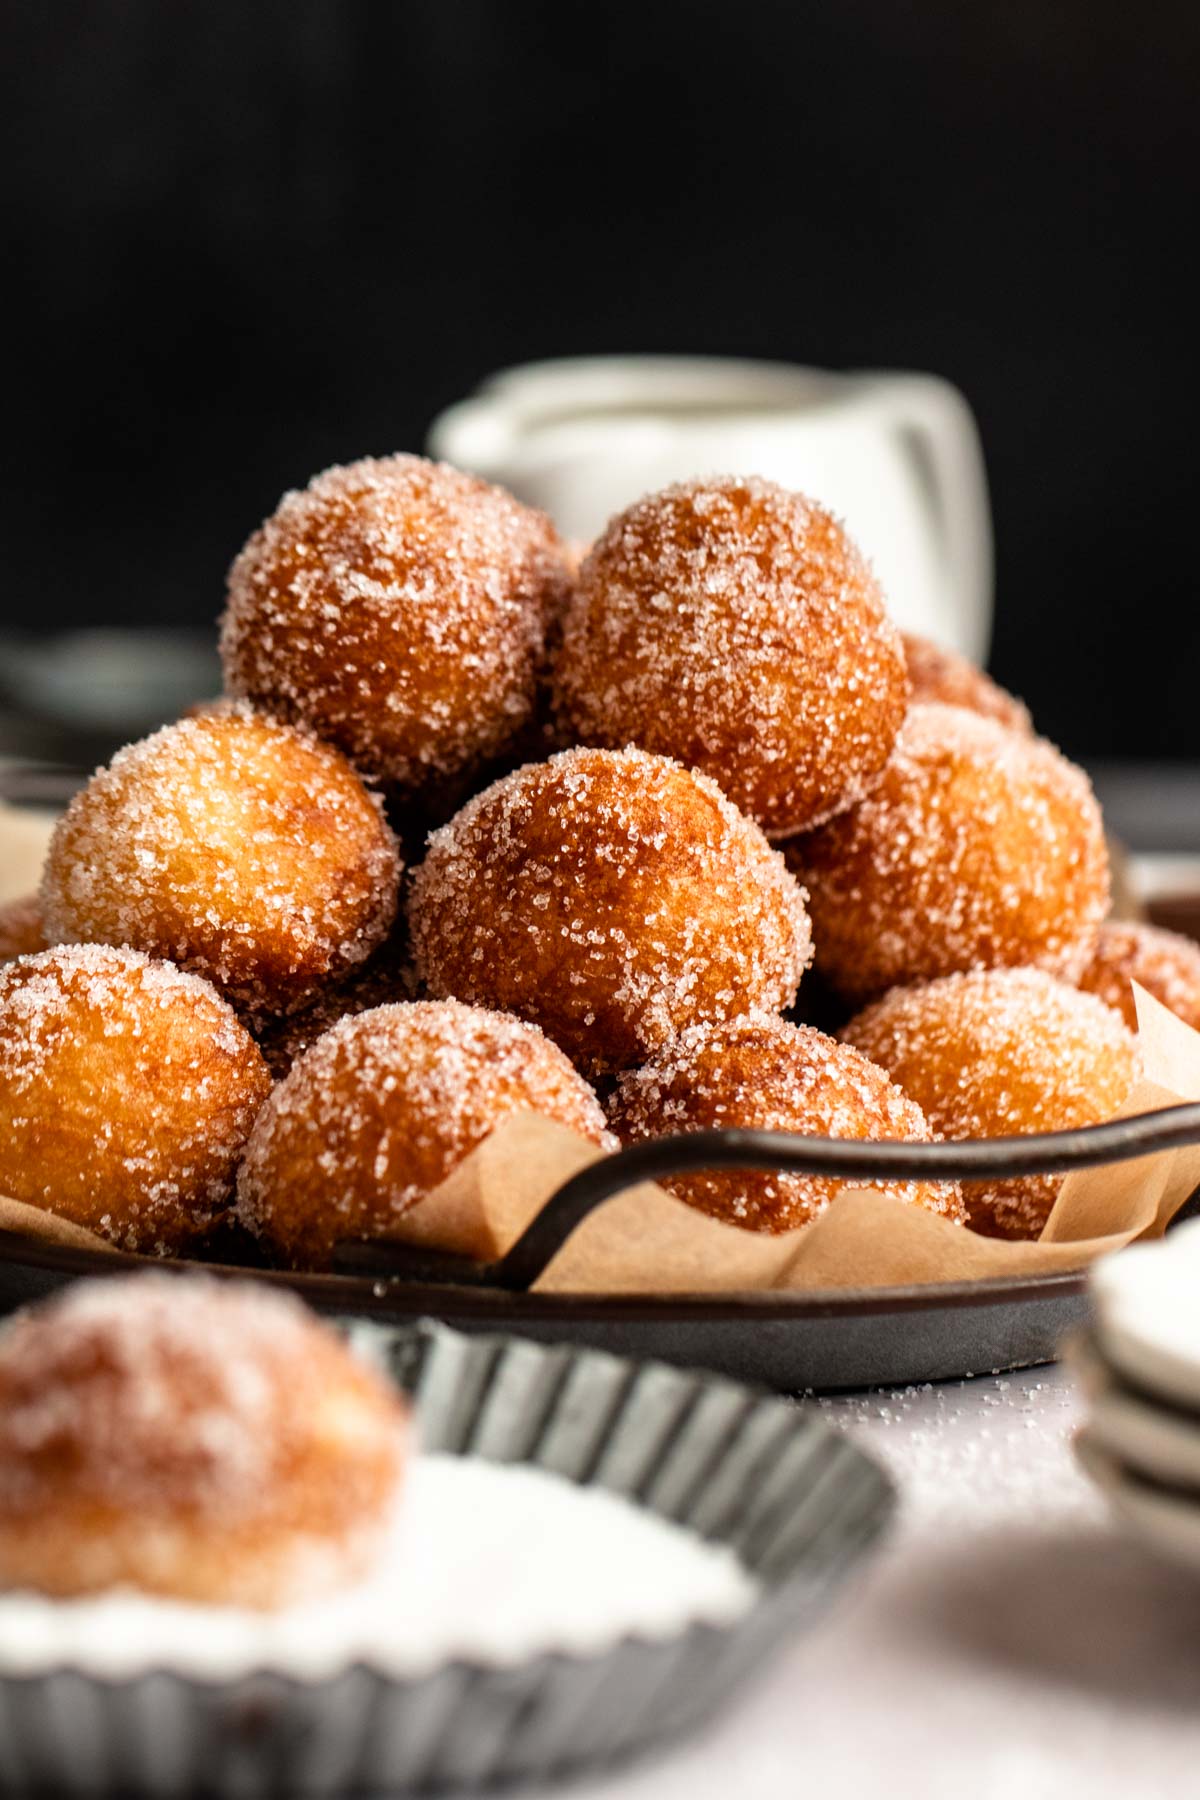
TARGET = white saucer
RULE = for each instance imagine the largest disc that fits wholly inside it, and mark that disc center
(1129, 1428)
(1147, 1315)
(1168, 1522)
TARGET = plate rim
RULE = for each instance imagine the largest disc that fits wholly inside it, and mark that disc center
(365, 1294)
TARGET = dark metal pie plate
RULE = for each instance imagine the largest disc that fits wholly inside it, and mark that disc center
(788, 1342)
(791, 1342)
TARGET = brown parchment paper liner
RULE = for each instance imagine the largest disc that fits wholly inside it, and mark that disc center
(644, 1241)
(38, 1222)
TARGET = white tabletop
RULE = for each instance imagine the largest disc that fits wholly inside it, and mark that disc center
(1005, 1641)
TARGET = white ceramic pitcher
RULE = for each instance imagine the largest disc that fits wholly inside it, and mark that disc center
(895, 455)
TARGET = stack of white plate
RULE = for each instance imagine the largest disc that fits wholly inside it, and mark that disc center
(1140, 1367)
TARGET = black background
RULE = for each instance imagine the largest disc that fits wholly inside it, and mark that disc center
(246, 240)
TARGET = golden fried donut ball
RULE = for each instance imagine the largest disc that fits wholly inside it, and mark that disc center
(733, 625)
(127, 1092)
(938, 673)
(239, 847)
(400, 608)
(1166, 964)
(998, 1053)
(207, 1441)
(383, 1108)
(21, 932)
(980, 848)
(764, 1074)
(388, 979)
(613, 898)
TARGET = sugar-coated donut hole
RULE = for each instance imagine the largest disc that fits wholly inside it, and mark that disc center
(996, 1053)
(202, 1440)
(21, 930)
(765, 1074)
(979, 848)
(405, 622)
(235, 845)
(936, 672)
(127, 1092)
(1165, 963)
(383, 1108)
(387, 979)
(733, 625)
(613, 897)
(399, 607)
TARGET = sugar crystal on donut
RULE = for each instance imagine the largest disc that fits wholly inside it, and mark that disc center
(936, 672)
(21, 930)
(399, 607)
(1165, 963)
(237, 846)
(388, 979)
(613, 897)
(127, 1092)
(383, 1107)
(1000, 1052)
(767, 1075)
(734, 625)
(979, 848)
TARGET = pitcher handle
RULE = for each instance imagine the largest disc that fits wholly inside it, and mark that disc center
(939, 428)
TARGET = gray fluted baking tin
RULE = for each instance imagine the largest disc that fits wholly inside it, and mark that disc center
(795, 1500)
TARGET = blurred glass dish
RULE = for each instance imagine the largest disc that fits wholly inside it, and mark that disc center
(119, 683)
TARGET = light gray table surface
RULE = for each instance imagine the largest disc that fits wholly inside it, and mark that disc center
(1006, 1642)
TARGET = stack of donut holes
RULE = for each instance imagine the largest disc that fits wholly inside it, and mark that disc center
(481, 828)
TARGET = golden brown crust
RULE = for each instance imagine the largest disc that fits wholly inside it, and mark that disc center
(383, 1108)
(937, 673)
(127, 1092)
(387, 979)
(998, 1053)
(612, 897)
(1165, 963)
(734, 626)
(400, 608)
(979, 848)
(765, 1074)
(203, 1440)
(21, 931)
(236, 846)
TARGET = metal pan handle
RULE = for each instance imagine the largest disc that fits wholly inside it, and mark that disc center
(1047, 1153)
